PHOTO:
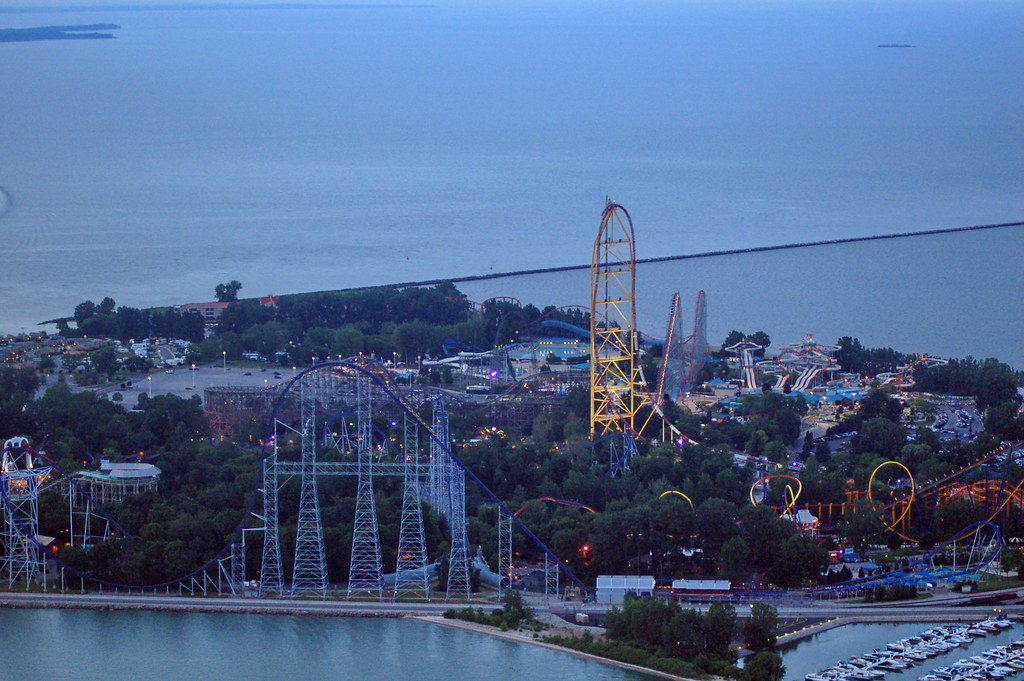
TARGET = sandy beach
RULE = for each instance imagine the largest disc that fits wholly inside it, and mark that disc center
(555, 626)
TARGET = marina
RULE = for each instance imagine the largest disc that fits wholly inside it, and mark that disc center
(981, 651)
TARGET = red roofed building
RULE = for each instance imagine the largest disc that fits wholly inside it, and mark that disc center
(211, 312)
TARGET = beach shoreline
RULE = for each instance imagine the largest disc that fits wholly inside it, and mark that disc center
(517, 636)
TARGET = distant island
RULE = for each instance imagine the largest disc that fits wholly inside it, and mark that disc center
(21, 35)
(895, 45)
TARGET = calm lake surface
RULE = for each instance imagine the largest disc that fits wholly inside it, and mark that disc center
(81, 645)
(329, 147)
(86, 645)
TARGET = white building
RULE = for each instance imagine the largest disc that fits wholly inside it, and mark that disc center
(612, 589)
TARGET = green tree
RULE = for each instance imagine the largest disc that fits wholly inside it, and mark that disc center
(1004, 421)
(516, 610)
(349, 341)
(228, 292)
(880, 436)
(106, 306)
(995, 384)
(762, 339)
(683, 635)
(764, 532)
(808, 446)
(764, 666)
(719, 628)
(822, 453)
(732, 338)
(775, 451)
(84, 310)
(756, 443)
(104, 361)
(733, 559)
(879, 403)
(1013, 559)
(640, 620)
(759, 630)
(861, 526)
(716, 519)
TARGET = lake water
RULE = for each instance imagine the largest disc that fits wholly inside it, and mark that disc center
(825, 649)
(328, 147)
(78, 645)
(947, 295)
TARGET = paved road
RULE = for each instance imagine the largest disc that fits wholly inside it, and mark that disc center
(947, 609)
(217, 604)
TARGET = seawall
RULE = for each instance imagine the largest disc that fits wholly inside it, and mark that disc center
(691, 256)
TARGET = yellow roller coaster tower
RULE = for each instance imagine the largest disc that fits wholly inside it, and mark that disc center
(615, 386)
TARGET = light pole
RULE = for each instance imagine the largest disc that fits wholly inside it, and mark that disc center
(224, 357)
(150, 379)
(193, 376)
(293, 372)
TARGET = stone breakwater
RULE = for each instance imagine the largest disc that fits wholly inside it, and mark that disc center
(691, 256)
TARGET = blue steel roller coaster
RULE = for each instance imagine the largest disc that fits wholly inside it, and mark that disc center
(359, 365)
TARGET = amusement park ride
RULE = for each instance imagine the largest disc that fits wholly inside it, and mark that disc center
(618, 389)
(908, 511)
(808, 361)
(326, 422)
(322, 425)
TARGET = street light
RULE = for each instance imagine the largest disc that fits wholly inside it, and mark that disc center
(224, 356)
(193, 376)
(150, 379)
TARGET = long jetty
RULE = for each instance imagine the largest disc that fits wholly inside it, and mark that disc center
(691, 256)
(643, 261)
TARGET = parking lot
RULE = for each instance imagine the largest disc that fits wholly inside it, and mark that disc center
(184, 382)
(957, 422)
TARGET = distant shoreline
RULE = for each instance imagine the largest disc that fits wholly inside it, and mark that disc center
(641, 261)
(39, 33)
(199, 6)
